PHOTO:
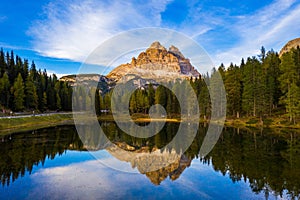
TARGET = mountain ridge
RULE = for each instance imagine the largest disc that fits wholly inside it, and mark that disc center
(156, 61)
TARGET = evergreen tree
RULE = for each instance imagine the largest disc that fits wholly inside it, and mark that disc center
(97, 102)
(133, 103)
(18, 91)
(289, 87)
(151, 95)
(5, 90)
(107, 100)
(161, 96)
(44, 103)
(51, 95)
(65, 96)
(102, 106)
(31, 94)
(233, 90)
(58, 99)
(272, 91)
(24, 69)
(204, 97)
(35, 86)
(12, 72)
(252, 88)
(3, 66)
(217, 92)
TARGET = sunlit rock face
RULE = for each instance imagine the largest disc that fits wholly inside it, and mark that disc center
(290, 45)
(157, 165)
(157, 62)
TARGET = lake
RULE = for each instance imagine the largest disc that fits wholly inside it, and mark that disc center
(54, 163)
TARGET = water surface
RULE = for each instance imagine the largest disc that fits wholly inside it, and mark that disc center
(53, 163)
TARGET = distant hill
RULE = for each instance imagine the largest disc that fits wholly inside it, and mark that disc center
(104, 83)
(291, 44)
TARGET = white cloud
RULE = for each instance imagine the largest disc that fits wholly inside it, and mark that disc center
(72, 29)
(58, 75)
(271, 27)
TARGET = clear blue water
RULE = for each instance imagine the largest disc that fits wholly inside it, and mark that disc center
(62, 169)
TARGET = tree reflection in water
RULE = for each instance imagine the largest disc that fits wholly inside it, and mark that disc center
(269, 161)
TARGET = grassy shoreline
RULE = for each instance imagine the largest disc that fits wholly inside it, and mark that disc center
(272, 122)
(9, 125)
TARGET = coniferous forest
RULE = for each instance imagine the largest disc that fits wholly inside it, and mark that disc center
(263, 86)
(23, 87)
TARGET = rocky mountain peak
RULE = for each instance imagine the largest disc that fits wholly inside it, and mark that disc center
(175, 51)
(157, 62)
(157, 45)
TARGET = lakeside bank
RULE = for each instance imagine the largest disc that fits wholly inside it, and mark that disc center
(27, 123)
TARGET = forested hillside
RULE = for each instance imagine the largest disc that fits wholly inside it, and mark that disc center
(261, 86)
(264, 86)
(26, 88)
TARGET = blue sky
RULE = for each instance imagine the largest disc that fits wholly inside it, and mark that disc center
(58, 35)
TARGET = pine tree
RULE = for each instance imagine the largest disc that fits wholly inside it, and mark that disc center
(97, 102)
(272, 91)
(288, 82)
(233, 90)
(151, 94)
(58, 99)
(251, 97)
(102, 106)
(65, 97)
(11, 66)
(12, 72)
(24, 69)
(161, 96)
(132, 103)
(51, 96)
(204, 97)
(44, 103)
(5, 92)
(31, 94)
(217, 92)
(107, 101)
(3, 66)
(18, 91)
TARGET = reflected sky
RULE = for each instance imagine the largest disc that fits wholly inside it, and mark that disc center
(77, 175)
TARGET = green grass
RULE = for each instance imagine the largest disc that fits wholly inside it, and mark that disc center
(270, 122)
(30, 123)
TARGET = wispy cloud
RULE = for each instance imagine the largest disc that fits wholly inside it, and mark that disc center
(271, 27)
(14, 47)
(72, 29)
(58, 75)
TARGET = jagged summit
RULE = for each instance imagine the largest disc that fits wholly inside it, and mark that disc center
(157, 62)
(157, 165)
(157, 45)
(175, 51)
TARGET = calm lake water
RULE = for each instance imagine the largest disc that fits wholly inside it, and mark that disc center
(53, 163)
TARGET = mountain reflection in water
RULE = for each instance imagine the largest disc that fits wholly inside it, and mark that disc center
(269, 161)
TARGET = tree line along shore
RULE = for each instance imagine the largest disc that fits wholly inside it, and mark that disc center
(262, 90)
